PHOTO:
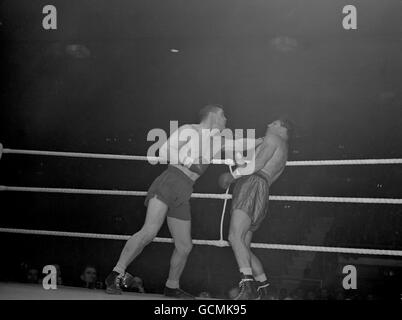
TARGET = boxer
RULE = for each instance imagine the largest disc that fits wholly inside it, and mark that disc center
(169, 197)
(250, 204)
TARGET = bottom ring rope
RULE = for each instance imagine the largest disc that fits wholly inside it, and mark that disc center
(217, 243)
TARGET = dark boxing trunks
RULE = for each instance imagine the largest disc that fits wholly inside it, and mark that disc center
(173, 188)
(250, 195)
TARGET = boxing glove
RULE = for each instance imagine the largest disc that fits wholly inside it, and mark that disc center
(198, 167)
(225, 180)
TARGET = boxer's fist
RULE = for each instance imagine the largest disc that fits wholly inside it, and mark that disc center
(225, 180)
(239, 160)
(199, 166)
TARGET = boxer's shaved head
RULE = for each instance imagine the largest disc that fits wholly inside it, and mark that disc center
(209, 108)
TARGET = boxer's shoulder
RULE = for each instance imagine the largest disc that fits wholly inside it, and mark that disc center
(190, 126)
(272, 139)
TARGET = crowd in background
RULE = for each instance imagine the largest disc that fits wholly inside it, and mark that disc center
(88, 278)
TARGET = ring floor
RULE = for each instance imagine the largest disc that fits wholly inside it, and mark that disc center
(19, 291)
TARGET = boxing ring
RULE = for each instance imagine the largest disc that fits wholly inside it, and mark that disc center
(220, 242)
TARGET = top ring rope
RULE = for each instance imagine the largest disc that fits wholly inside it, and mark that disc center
(214, 161)
(229, 162)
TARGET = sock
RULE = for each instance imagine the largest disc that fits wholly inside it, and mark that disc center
(246, 271)
(261, 278)
(119, 269)
(172, 284)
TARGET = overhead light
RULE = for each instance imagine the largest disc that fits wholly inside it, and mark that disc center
(174, 50)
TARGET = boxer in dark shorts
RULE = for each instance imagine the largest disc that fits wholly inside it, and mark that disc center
(251, 195)
(174, 188)
(250, 205)
(168, 198)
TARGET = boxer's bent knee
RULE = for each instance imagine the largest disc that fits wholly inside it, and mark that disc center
(236, 236)
(184, 248)
(233, 238)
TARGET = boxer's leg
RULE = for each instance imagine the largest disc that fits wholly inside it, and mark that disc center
(256, 265)
(181, 234)
(239, 226)
(156, 213)
(258, 270)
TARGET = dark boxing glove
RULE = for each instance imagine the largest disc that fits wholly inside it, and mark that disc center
(225, 180)
(199, 167)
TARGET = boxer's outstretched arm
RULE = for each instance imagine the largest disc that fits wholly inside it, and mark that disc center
(241, 144)
(264, 154)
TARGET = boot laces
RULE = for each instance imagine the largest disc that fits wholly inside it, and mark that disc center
(242, 285)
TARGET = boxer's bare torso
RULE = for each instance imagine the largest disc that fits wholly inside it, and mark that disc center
(275, 165)
(190, 137)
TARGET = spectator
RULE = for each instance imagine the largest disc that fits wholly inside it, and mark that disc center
(272, 293)
(138, 285)
(22, 272)
(311, 295)
(340, 295)
(297, 294)
(58, 273)
(89, 277)
(324, 295)
(283, 294)
(32, 276)
(133, 284)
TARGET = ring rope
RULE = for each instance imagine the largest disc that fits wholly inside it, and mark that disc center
(225, 197)
(99, 155)
(224, 210)
(214, 161)
(218, 243)
(222, 196)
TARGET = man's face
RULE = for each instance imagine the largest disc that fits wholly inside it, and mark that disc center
(33, 276)
(275, 126)
(220, 120)
(89, 275)
(137, 282)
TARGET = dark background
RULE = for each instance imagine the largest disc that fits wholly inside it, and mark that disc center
(260, 59)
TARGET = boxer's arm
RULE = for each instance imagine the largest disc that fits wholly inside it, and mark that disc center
(240, 144)
(174, 150)
(264, 154)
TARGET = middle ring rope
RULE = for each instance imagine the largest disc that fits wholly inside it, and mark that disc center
(203, 195)
(217, 243)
